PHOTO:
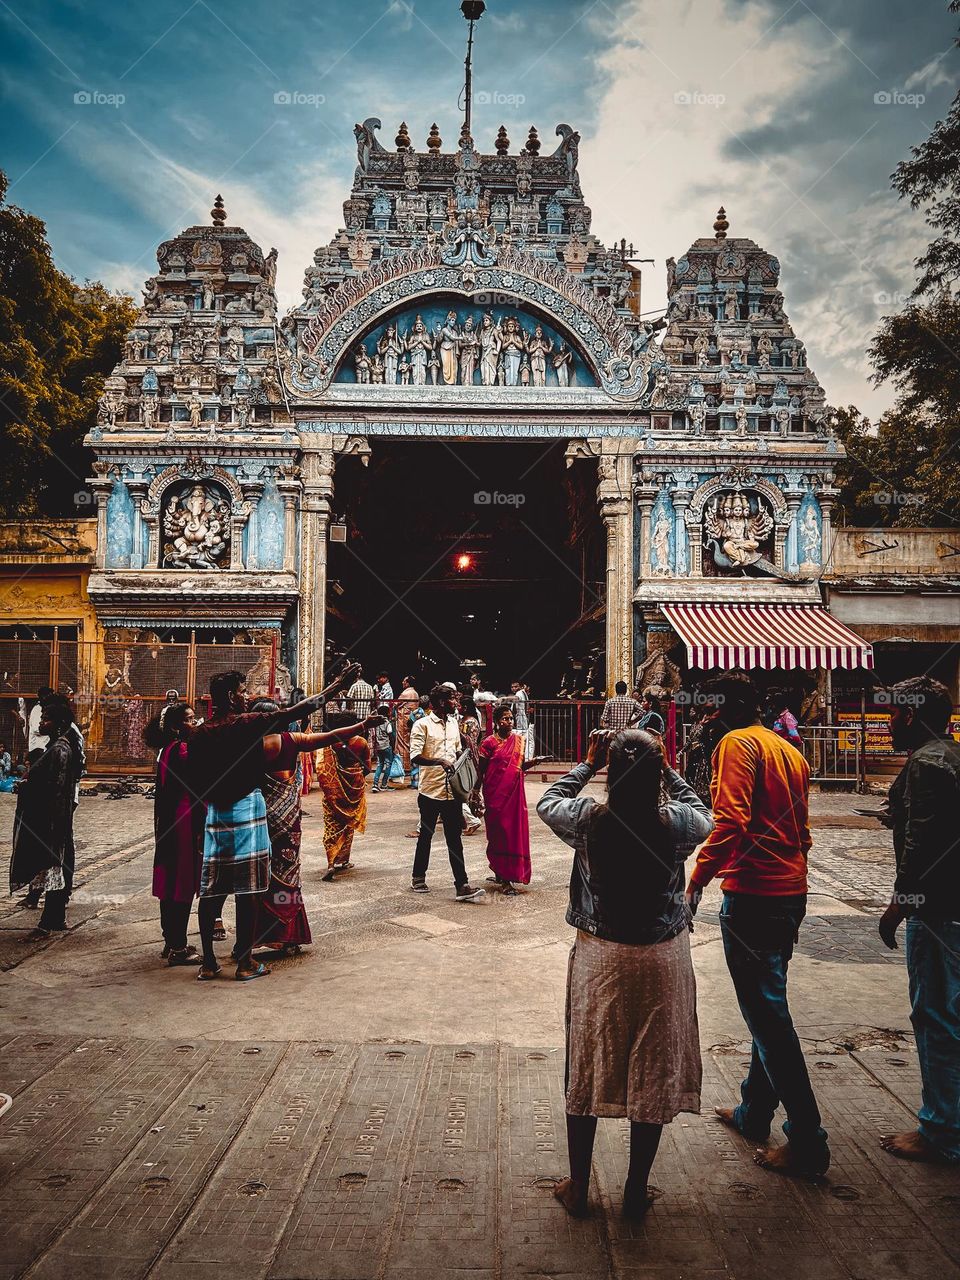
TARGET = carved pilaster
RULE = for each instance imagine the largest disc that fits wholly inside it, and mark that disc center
(318, 469)
(137, 487)
(289, 487)
(101, 485)
(615, 493)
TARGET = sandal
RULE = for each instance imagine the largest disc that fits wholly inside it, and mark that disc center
(330, 876)
(260, 971)
(184, 956)
(219, 931)
(206, 975)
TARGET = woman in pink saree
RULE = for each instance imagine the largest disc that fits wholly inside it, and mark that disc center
(501, 767)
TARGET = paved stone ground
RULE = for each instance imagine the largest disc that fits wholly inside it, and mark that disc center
(389, 1104)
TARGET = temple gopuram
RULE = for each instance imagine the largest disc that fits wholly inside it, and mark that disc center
(466, 300)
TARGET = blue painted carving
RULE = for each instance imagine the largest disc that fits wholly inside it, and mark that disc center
(810, 532)
(270, 528)
(434, 314)
(119, 527)
(663, 540)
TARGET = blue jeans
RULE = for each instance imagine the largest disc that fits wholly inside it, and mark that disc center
(933, 969)
(758, 936)
(382, 775)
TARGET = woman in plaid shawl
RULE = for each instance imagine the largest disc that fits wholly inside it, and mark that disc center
(281, 917)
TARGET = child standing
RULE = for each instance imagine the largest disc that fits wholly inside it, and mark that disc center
(383, 739)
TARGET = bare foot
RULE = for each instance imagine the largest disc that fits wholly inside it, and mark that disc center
(573, 1199)
(728, 1116)
(785, 1160)
(912, 1146)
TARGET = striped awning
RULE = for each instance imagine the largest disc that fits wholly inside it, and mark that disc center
(766, 635)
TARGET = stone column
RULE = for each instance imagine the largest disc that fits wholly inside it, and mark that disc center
(288, 486)
(615, 493)
(138, 491)
(681, 500)
(252, 493)
(791, 555)
(318, 467)
(826, 538)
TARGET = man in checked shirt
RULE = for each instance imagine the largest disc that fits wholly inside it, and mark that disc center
(620, 711)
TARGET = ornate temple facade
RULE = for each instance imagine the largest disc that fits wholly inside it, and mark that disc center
(464, 296)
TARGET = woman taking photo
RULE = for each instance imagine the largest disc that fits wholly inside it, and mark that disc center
(501, 766)
(178, 819)
(633, 1046)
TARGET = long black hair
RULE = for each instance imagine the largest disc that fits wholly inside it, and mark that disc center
(166, 726)
(630, 824)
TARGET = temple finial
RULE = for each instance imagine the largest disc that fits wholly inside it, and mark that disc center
(721, 225)
(218, 213)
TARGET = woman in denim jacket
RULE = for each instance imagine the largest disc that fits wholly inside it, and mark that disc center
(633, 1047)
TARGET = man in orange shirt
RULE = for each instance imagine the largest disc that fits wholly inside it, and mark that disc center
(758, 847)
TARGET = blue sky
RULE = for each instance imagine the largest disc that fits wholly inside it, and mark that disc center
(791, 113)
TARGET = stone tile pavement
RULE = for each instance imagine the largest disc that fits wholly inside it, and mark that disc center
(389, 1104)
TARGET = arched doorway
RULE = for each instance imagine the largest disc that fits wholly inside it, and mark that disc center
(467, 554)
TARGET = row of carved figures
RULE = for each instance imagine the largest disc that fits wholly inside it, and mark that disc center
(500, 353)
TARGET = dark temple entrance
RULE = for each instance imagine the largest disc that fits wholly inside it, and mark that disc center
(462, 550)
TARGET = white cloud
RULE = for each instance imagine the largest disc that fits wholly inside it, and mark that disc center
(682, 85)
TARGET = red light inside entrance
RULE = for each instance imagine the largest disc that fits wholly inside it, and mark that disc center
(464, 562)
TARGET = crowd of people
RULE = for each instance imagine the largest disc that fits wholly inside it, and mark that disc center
(228, 799)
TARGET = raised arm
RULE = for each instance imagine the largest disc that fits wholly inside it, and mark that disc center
(272, 744)
(287, 715)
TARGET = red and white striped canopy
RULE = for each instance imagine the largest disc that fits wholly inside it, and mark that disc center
(766, 635)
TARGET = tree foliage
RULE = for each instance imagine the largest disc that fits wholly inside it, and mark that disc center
(906, 470)
(57, 341)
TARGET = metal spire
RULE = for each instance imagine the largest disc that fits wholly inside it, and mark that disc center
(472, 10)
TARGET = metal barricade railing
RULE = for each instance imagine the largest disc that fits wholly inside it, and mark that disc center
(116, 687)
(834, 753)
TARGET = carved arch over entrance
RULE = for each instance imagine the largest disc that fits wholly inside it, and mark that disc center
(322, 339)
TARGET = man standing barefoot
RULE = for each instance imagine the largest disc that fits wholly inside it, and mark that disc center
(759, 849)
(924, 809)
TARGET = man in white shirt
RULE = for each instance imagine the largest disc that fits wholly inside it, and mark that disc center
(434, 746)
(384, 689)
(37, 742)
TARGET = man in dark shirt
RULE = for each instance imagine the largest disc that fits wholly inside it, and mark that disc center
(225, 768)
(923, 811)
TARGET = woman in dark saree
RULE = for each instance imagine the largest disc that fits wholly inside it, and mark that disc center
(43, 849)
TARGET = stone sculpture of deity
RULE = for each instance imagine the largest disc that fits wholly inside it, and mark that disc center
(469, 351)
(513, 346)
(539, 348)
(736, 531)
(448, 340)
(562, 360)
(490, 344)
(196, 527)
(420, 345)
(389, 348)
